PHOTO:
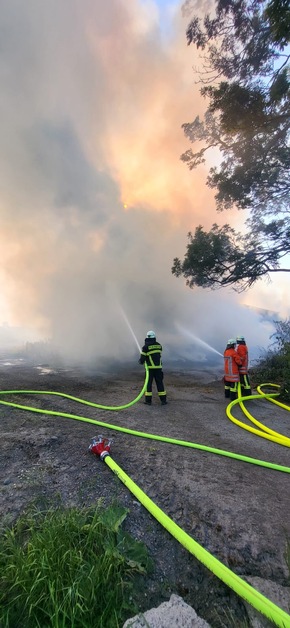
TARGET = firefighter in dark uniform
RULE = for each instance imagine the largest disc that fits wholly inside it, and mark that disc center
(151, 354)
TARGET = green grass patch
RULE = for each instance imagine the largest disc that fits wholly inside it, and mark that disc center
(69, 568)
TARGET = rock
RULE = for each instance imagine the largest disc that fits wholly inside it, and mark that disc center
(278, 594)
(174, 613)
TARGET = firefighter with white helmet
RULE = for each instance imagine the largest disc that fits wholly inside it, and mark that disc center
(151, 354)
(232, 363)
(242, 350)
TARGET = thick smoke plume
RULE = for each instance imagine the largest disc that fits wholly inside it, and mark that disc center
(95, 202)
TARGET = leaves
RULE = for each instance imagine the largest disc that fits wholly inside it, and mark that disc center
(223, 257)
(248, 118)
(246, 79)
(134, 552)
(274, 365)
(113, 517)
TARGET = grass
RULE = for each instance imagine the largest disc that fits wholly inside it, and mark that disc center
(69, 569)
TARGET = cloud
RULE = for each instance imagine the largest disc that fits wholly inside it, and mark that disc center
(93, 96)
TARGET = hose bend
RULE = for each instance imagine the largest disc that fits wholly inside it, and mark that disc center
(263, 431)
(242, 588)
(126, 430)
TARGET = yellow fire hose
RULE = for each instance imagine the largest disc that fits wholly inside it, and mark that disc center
(243, 589)
(264, 431)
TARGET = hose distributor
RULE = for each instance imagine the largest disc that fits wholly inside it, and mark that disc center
(101, 446)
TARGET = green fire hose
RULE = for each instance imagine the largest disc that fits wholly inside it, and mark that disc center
(253, 597)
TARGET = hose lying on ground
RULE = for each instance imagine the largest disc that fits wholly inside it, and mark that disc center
(258, 601)
(111, 426)
(237, 584)
(264, 431)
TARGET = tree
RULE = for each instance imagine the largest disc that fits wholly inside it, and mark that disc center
(223, 257)
(246, 79)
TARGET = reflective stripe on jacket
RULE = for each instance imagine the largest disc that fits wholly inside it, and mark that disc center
(242, 351)
(151, 353)
(232, 361)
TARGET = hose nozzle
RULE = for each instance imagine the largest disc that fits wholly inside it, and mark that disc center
(101, 446)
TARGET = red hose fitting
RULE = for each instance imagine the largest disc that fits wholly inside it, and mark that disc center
(100, 446)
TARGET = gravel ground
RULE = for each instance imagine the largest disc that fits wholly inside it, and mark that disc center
(240, 512)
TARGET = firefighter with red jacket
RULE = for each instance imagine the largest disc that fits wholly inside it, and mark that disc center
(242, 350)
(151, 354)
(232, 363)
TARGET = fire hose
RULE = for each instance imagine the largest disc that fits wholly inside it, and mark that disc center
(101, 446)
(263, 431)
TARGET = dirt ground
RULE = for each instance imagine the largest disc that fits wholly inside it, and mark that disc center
(240, 512)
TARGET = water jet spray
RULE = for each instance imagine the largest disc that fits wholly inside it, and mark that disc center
(197, 340)
(129, 327)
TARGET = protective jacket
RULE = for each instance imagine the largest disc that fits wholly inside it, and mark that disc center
(232, 362)
(242, 351)
(151, 353)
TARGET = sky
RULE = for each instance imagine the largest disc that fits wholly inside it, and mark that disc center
(94, 200)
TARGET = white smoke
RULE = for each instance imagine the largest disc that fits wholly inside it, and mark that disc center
(93, 96)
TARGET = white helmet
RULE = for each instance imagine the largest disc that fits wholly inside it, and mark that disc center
(151, 334)
(240, 338)
(231, 341)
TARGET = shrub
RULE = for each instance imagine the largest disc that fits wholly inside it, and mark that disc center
(274, 365)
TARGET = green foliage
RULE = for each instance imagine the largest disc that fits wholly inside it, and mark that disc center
(278, 14)
(209, 256)
(280, 86)
(71, 568)
(243, 44)
(239, 106)
(222, 257)
(274, 365)
(281, 336)
(246, 80)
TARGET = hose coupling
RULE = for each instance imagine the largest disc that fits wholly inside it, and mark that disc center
(101, 446)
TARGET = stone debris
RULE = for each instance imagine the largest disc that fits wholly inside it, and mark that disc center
(172, 614)
(278, 594)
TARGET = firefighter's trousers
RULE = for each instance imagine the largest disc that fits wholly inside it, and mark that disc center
(245, 385)
(157, 376)
(231, 390)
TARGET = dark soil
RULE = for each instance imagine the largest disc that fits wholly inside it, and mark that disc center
(240, 512)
